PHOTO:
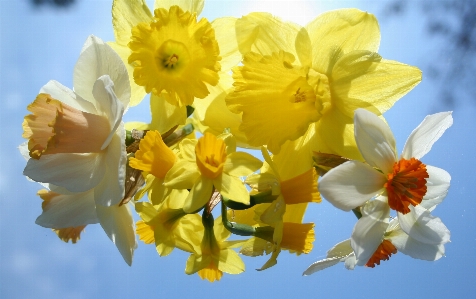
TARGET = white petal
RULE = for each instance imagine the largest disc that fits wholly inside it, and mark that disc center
(424, 227)
(375, 140)
(108, 104)
(62, 93)
(69, 211)
(75, 172)
(437, 186)
(340, 249)
(351, 184)
(321, 265)
(369, 230)
(97, 59)
(350, 262)
(428, 132)
(415, 249)
(110, 191)
(118, 224)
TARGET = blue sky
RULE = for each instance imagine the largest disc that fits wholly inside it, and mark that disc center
(41, 45)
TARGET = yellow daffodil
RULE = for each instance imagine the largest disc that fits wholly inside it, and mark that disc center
(208, 164)
(215, 255)
(169, 53)
(168, 225)
(302, 85)
(155, 159)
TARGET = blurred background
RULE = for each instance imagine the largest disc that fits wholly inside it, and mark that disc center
(40, 40)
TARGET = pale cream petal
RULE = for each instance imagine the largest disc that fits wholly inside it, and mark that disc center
(98, 59)
(66, 170)
(369, 230)
(63, 211)
(62, 93)
(224, 29)
(415, 249)
(437, 186)
(428, 132)
(420, 225)
(375, 140)
(118, 224)
(351, 184)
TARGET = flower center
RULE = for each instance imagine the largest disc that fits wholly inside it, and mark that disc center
(175, 53)
(54, 127)
(210, 155)
(383, 253)
(322, 91)
(406, 184)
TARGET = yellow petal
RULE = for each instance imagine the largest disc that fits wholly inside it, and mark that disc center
(182, 175)
(190, 5)
(255, 247)
(338, 32)
(230, 55)
(165, 116)
(361, 79)
(232, 188)
(277, 102)
(230, 262)
(199, 195)
(301, 189)
(146, 211)
(127, 14)
(210, 273)
(241, 164)
(295, 213)
(264, 33)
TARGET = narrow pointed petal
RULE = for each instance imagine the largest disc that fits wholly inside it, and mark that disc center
(230, 262)
(182, 175)
(321, 265)
(63, 211)
(437, 186)
(338, 32)
(98, 59)
(428, 132)
(165, 116)
(118, 224)
(420, 225)
(66, 170)
(415, 249)
(369, 230)
(351, 184)
(375, 140)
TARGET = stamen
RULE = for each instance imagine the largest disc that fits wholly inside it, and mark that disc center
(406, 184)
(211, 155)
(383, 253)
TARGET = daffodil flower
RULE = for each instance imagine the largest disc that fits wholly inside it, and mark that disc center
(77, 147)
(167, 225)
(215, 255)
(207, 166)
(303, 84)
(405, 185)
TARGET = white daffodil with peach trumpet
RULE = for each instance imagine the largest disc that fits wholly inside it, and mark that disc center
(405, 185)
(76, 145)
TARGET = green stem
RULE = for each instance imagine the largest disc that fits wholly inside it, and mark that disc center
(178, 135)
(357, 212)
(263, 197)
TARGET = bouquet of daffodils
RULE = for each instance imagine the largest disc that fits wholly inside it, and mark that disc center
(309, 98)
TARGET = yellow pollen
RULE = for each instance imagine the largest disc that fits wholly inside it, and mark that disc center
(383, 253)
(406, 184)
(170, 63)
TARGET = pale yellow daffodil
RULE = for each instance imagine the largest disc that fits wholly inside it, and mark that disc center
(302, 85)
